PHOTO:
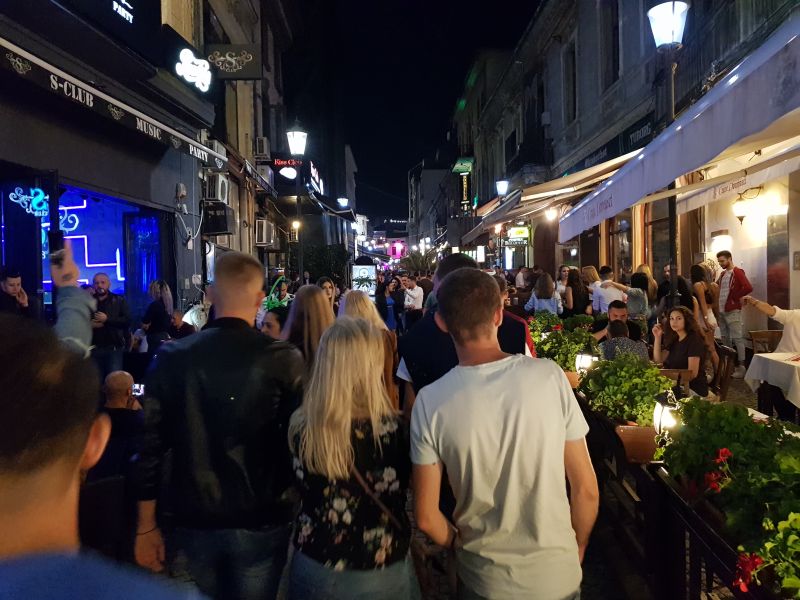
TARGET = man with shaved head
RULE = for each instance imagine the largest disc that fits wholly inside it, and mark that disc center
(220, 401)
(110, 324)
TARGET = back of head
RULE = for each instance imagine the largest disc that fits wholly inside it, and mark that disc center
(645, 268)
(309, 316)
(49, 398)
(281, 313)
(545, 287)
(590, 274)
(640, 281)
(699, 274)
(468, 301)
(118, 386)
(346, 383)
(501, 283)
(238, 282)
(453, 262)
(606, 272)
(357, 304)
(617, 329)
(575, 281)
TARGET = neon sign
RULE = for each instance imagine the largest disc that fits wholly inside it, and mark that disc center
(35, 203)
(194, 70)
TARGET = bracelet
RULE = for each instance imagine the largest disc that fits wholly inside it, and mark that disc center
(148, 531)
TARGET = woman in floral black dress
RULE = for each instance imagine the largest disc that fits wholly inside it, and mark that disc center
(346, 545)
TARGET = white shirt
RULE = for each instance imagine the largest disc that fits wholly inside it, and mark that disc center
(414, 298)
(520, 280)
(502, 442)
(725, 288)
(790, 319)
(602, 297)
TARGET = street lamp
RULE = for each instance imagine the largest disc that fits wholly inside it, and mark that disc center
(668, 21)
(343, 202)
(501, 187)
(297, 138)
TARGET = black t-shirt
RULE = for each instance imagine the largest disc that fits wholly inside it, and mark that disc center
(339, 525)
(679, 353)
(181, 332)
(157, 317)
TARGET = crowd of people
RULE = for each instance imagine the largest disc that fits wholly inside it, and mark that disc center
(282, 442)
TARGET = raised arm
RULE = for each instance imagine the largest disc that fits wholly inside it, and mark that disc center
(764, 307)
(659, 355)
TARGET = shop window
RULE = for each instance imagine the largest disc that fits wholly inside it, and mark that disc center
(610, 42)
(570, 59)
(621, 247)
(657, 234)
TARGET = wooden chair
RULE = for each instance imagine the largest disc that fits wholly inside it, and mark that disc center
(722, 377)
(765, 340)
(681, 377)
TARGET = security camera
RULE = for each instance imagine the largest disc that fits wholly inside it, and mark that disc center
(180, 191)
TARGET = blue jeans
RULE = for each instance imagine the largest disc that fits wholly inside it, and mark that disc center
(234, 564)
(107, 360)
(311, 580)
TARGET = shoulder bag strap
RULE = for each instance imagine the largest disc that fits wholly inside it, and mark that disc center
(395, 521)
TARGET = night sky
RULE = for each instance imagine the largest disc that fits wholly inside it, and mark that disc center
(404, 65)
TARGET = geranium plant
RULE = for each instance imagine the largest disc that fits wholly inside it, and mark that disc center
(780, 553)
(625, 389)
(541, 323)
(563, 347)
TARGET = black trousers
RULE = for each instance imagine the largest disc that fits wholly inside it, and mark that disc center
(771, 397)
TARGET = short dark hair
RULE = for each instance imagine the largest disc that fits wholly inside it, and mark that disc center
(9, 273)
(640, 281)
(468, 299)
(501, 283)
(49, 397)
(618, 304)
(617, 329)
(412, 278)
(281, 313)
(726, 253)
(605, 270)
(452, 262)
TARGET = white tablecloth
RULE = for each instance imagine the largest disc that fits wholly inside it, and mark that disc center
(777, 369)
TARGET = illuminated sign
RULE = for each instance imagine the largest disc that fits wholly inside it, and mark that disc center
(519, 232)
(35, 203)
(464, 190)
(240, 61)
(287, 162)
(193, 70)
(123, 9)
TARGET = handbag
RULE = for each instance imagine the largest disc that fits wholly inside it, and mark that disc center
(418, 552)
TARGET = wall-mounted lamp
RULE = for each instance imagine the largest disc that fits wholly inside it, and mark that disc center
(551, 213)
(740, 207)
(498, 228)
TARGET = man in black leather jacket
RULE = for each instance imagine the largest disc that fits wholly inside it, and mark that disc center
(220, 400)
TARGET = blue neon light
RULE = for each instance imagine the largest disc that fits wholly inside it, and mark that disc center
(35, 202)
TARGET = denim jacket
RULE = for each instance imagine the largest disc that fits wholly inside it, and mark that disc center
(74, 309)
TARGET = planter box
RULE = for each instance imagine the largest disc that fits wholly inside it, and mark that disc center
(639, 442)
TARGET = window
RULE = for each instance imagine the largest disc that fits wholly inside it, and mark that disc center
(657, 234)
(609, 42)
(570, 82)
(621, 247)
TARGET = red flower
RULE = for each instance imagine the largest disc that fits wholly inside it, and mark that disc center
(723, 455)
(746, 565)
(557, 327)
(712, 481)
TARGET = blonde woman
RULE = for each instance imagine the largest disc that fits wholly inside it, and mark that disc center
(351, 459)
(158, 316)
(591, 278)
(652, 284)
(309, 316)
(357, 304)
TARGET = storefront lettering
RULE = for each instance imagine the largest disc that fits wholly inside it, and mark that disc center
(640, 134)
(595, 158)
(72, 91)
(730, 186)
(198, 153)
(122, 11)
(35, 203)
(606, 204)
(148, 128)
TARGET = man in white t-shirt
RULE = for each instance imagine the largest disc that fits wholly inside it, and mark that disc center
(790, 342)
(413, 301)
(506, 445)
(603, 296)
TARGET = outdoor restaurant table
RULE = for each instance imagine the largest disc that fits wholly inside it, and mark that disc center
(778, 369)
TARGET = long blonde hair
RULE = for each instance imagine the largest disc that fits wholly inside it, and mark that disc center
(652, 284)
(590, 275)
(309, 316)
(159, 290)
(346, 384)
(357, 304)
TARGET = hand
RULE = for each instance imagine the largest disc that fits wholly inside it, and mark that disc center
(149, 551)
(22, 298)
(657, 330)
(749, 300)
(66, 273)
(100, 317)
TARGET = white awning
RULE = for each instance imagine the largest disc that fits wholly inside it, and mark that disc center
(498, 215)
(749, 109)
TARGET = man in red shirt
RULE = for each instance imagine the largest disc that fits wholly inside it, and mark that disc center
(733, 286)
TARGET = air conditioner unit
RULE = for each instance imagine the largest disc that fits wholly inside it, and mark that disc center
(262, 148)
(217, 188)
(267, 173)
(266, 233)
(218, 219)
(546, 119)
(218, 147)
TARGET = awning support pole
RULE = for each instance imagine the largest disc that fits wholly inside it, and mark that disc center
(675, 297)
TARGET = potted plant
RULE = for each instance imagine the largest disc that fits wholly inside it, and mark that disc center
(578, 322)
(749, 473)
(542, 324)
(625, 391)
(563, 348)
